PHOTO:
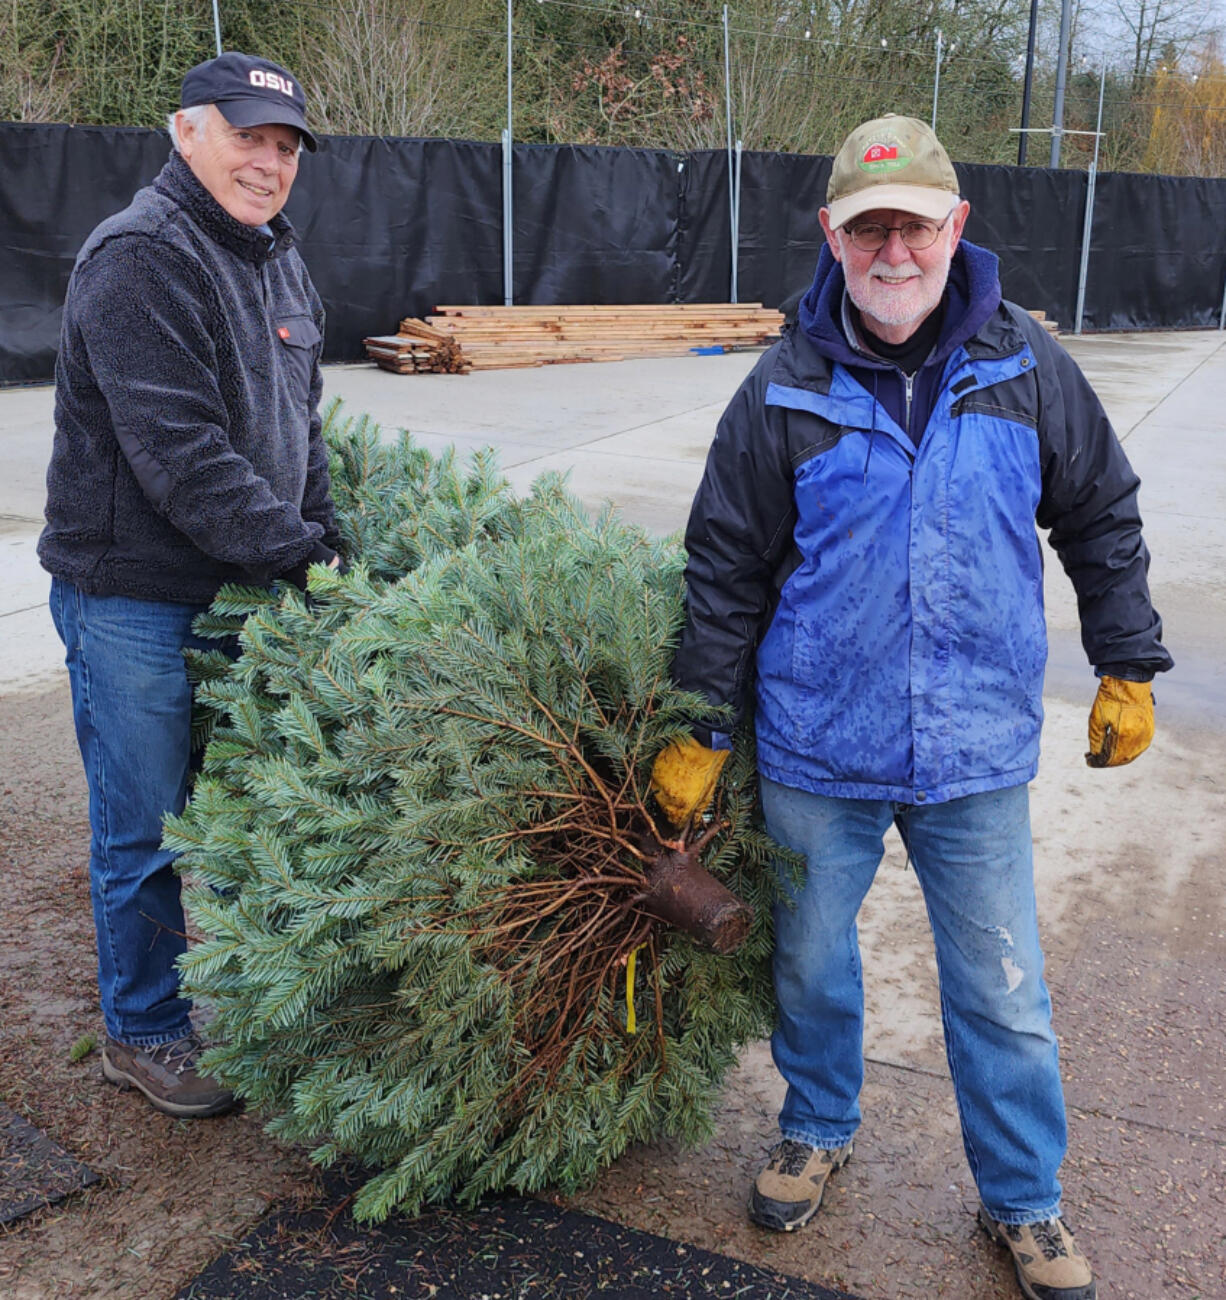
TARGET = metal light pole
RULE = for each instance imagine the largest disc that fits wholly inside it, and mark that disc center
(508, 210)
(731, 171)
(1057, 121)
(1027, 82)
(217, 27)
(936, 81)
(1089, 221)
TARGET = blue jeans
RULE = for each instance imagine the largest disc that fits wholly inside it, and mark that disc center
(131, 703)
(973, 859)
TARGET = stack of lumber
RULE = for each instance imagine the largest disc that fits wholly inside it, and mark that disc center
(417, 349)
(457, 339)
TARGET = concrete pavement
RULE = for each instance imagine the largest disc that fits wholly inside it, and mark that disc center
(1129, 863)
(637, 433)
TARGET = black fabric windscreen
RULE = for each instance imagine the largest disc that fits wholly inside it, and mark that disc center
(593, 225)
(781, 236)
(395, 227)
(704, 232)
(1157, 255)
(391, 228)
(56, 184)
(1031, 218)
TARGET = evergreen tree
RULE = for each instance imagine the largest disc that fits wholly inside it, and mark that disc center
(422, 845)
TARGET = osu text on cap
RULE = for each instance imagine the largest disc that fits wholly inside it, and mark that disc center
(272, 80)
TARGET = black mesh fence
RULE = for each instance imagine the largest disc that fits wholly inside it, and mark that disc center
(395, 227)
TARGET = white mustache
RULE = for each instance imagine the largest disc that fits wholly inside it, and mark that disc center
(884, 271)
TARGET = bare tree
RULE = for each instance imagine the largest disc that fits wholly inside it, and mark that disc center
(1155, 26)
(34, 84)
(381, 68)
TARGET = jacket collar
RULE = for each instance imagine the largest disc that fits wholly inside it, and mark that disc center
(178, 183)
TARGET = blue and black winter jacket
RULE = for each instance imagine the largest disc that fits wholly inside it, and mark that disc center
(882, 590)
(187, 449)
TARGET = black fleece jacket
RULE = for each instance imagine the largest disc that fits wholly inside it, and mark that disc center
(187, 447)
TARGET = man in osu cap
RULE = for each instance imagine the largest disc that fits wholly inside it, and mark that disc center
(864, 573)
(187, 454)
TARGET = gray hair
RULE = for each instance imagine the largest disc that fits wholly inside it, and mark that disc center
(197, 115)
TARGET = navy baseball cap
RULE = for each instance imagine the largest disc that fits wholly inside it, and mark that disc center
(248, 91)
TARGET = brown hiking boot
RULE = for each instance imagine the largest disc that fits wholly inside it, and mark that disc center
(789, 1191)
(1045, 1257)
(168, 1076)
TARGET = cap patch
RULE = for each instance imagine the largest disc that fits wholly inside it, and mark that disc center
(881, 156)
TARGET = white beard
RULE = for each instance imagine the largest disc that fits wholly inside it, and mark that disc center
(896, 306)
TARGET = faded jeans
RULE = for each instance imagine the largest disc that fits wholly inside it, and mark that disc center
(131, 703)
(973, 859)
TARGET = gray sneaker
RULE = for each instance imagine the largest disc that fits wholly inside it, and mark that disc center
(168, 1076)
(1046, 1259)
(789, 1191)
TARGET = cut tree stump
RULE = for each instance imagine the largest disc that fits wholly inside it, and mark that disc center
(684, 894)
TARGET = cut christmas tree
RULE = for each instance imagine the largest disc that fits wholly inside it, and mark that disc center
(441, 918)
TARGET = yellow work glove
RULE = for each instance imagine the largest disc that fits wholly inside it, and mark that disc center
(1121, 722)
(683, 779)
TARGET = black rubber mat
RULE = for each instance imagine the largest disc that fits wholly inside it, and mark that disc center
(506, 1249)
(34, 1170)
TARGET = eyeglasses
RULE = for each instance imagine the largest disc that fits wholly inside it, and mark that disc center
(869, 236)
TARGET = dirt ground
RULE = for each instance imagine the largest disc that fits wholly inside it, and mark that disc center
(172, 1193)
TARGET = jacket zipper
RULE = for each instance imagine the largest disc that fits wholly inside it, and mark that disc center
(909, 380)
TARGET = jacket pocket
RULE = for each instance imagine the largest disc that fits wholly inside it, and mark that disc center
(850, 707)
(299, 338)
(810, 655)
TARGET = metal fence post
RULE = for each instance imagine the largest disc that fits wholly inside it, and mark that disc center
(508, 213)
(217, 26)
(731, 169)
(736, 223)
(508, 207)
(936, 82)
(1089, 221)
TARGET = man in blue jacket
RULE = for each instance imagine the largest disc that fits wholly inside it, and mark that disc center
(187, 454)
(863, 557)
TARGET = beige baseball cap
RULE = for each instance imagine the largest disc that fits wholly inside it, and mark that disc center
(891, 162)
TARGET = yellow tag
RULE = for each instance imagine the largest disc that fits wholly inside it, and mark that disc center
(631, 1024)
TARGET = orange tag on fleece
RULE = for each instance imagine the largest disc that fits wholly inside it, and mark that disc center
(283, 333)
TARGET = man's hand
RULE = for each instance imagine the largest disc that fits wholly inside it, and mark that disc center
(1121, 722)
(683, 779)
(318, 554)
